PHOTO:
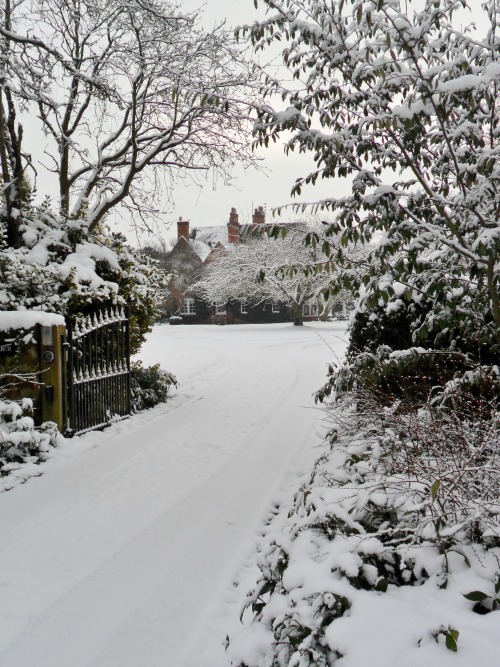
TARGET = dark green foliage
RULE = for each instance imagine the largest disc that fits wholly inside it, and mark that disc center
(375, 327)
(485, 603)
(149, 386)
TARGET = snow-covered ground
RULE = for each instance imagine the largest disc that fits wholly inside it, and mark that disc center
(135, 547)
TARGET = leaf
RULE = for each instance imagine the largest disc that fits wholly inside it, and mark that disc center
(451, 643)
(381, 585)
(435, 489)
(359, 15)
(476, 596)
(497, 585)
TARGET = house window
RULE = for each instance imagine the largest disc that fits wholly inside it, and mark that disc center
(188, 307)
(244, 306)
(275, 307)
(314, 309)
(305, 310)
(220, 309)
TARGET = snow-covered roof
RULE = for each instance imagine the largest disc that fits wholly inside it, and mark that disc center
(201, 249)
(26, 319)
(213, 235)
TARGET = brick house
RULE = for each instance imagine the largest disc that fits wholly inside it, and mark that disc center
(195, 249)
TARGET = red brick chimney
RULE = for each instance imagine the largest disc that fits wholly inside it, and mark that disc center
(233, 227)
(259, 216)
(183, 229)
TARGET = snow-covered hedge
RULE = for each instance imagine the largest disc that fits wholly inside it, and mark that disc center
(390, 548)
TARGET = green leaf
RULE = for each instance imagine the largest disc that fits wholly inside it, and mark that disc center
(476, 596)
(360, 13)
(435, 489)
(451, 643)
(381, 585)
(497, 585)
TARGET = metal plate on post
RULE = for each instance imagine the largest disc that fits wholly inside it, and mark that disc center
(8, 347)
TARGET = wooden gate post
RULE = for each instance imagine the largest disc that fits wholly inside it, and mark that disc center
(53, 374)
(32, 362)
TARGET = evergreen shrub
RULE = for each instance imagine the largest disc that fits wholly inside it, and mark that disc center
(149, 386)
(20, 441)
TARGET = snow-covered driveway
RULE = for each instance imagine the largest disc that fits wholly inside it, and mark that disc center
(124, 554)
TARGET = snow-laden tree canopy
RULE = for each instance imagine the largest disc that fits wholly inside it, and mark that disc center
(263, 268)
(402, 102)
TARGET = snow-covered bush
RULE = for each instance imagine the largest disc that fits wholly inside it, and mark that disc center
(61, 268)
(20, 441)
(416, 376)
(395, 502)
(149, 386)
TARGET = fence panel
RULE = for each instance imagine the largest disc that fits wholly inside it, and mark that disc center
(98, 370)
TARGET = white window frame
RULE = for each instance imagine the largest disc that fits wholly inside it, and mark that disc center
(220, 309)
(244, 306)
(275, 307)
(188, 307)
(310, 309)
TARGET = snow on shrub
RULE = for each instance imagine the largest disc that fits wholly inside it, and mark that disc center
(391, 545)
(62, 268)
(149, 386)
(21, 444)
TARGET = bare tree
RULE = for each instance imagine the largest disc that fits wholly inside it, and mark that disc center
(127, 93)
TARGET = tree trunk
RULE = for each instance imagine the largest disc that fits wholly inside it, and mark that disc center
(297, 317)
(10, 151)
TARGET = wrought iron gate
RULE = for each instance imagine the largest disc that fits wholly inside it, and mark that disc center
(98, 370)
